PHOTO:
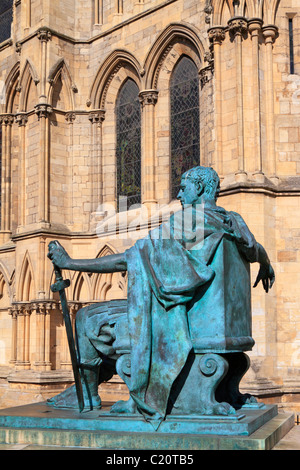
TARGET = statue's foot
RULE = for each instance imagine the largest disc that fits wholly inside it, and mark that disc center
(122, 406)
(68, 399)
(223, 409)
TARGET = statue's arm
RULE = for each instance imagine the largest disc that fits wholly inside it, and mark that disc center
(247, 243)
(106, 264)
(266, 273)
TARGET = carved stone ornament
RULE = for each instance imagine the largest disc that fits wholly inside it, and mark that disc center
(148, 97)
(44, 34)
(43, 110)
(208, 9)
(21, 119)
(216, 34)
(70, 117)
(205, 75)
(6, 119)
(238, 26)
(97, 116)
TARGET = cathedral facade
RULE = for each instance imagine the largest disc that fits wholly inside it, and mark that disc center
(103, 105)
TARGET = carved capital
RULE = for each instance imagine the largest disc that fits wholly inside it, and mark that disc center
(6, 119)
(148, 97)
(254, 25)
(44, 34)
(43, 110)
(270, 33)
(97, 116)
(70, 117)
(21, 119)
(238, 26)
(13, 311)
(216, 34)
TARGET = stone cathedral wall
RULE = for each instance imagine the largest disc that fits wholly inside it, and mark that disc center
(61, 71)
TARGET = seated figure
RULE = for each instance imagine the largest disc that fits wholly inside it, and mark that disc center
(178, 340)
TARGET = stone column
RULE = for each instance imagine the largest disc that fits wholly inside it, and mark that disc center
(237, 29)
(6, 121)
(23, 336)
(96, 118)
(216, 35)
(42, 361)
(70, 118)
(43, 110)
(148, 100)
(254, 26)
(22, 120)
(206, 93)
(14, 331)
(270, 33)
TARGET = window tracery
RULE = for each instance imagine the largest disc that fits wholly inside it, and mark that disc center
(185, 124)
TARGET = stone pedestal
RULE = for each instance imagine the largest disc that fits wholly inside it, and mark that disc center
(258, 429)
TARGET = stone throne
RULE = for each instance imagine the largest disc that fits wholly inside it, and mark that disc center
(209, 382)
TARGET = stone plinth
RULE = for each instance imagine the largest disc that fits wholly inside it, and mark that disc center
(38, 424)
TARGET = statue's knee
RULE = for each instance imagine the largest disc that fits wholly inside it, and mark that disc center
(80, 319)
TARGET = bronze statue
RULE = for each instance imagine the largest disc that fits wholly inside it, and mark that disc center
(179, 338)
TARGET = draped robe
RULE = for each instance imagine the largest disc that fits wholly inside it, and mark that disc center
(165, 270)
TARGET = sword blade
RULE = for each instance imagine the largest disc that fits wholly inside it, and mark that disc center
(72, 349)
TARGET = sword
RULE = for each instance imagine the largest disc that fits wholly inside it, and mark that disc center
(59, 286)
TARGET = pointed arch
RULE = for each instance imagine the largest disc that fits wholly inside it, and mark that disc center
(12, 87)
(26, 285)
(5, 280)
(226, 13)
(103, 283)
(111, 65)
(29, 65)
(175, 32)
(82, 288)
(221, 9)
(98, 279)
(273, 10)
(60, 71)
(28, 77)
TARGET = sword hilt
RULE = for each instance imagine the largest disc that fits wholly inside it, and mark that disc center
(60, 285)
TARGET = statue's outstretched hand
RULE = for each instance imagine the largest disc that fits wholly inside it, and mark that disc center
(58, 255)
(266, 275)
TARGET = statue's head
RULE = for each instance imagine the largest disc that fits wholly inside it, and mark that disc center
(199, 184)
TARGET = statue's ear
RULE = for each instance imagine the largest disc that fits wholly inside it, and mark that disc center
(200, 188)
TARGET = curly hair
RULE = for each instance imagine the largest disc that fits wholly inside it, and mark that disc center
(208, 177)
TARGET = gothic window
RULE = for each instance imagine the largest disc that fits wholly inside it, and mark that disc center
(185, 125)
(128, 114)
(6, 16)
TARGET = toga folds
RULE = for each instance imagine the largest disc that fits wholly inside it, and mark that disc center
(165, 270)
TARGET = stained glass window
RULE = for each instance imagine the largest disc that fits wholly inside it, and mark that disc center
(6, 16)
(128, 113)
(185, 124)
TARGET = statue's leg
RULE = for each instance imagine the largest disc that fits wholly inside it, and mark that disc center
(94, 369)
(123, 367)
